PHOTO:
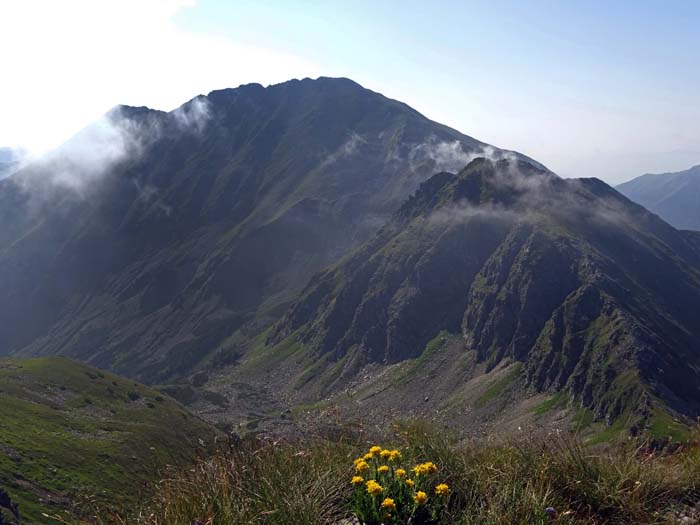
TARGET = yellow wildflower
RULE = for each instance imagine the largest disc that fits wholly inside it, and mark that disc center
(410, 482)
(361, 466)
(432, 467)
(388, 504)
(375, 450)
(394, 455)
(383, 469)
(425, 468)
(420, 470)
(420, 497)
(367, 456)
(374, 488)
(400, 473)
(356, 480)
(442, 489)
(385, 453)
(358, 460)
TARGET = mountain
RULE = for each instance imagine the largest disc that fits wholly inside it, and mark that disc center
(314, 241)
(500, 272)
(70, 434)
(152, 243)
(672, 196)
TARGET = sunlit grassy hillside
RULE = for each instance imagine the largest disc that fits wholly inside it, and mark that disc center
(72, 436)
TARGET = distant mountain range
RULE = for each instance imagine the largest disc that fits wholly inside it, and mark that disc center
(305, 238)
(675, 197)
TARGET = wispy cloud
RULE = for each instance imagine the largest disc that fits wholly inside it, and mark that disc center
(121, 136)
(348, 148)
(530, 194)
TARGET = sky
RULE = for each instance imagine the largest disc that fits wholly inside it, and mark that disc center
(589, 88)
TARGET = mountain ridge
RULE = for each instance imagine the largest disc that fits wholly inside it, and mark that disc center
(562, 279)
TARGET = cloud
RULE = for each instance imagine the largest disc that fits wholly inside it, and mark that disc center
(529, 194)
(71, 61)
(445, 156)
(122, 135)
(452, 156)
(463, 211)
(348, 148)
(194, 115)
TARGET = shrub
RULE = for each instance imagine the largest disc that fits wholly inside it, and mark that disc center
(133, 395)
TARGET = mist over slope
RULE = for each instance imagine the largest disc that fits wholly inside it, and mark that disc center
(675, 197)
(152, 242)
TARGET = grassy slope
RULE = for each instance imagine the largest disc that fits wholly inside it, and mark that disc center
(69, 432)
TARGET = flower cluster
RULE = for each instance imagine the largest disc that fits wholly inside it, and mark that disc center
(386, 493)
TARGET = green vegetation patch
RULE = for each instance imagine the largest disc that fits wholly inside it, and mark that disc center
(610, 434)
(264, 357)
(663, 427)
(432, 348)
(556, 401)
(500, 385)
(583, 418)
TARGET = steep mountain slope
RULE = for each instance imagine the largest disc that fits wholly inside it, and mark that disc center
(154, 241)
(590, 293)
(673, 196)
(71, 433)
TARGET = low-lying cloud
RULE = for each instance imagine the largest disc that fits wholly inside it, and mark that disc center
(122, 135)
(347, 149)
(531, 194)
(446, 156)
(463, 211)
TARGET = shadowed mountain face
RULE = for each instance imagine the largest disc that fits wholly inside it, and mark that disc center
(592, 293)
(154, 241)
(673, 196)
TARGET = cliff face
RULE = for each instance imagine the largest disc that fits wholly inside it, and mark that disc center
(593, 294)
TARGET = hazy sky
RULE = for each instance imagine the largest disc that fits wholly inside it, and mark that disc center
(589, 88)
